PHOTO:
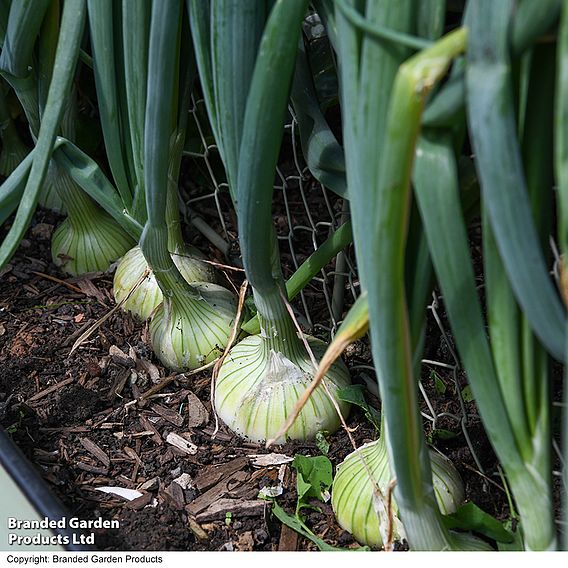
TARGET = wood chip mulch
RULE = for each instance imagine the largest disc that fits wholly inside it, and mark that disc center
(87, 423)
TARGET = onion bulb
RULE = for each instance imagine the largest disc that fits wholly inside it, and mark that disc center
(147, 296)
(258, 386)
(191, 330)
(88, 243)
(353, 492)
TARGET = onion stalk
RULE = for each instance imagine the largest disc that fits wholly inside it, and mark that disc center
(89, 240)
(47, 41)
(263, 376)
(380, 91)
(30, 77)
(128, 153)
(193, 324)
(24, 84)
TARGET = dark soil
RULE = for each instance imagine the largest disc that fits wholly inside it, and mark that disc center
(84, 422)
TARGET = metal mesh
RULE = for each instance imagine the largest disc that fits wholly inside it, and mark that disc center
(305, 215)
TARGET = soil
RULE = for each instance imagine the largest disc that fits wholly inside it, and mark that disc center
(105, 415)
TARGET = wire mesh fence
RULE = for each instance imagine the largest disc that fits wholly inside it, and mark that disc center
(305, 214)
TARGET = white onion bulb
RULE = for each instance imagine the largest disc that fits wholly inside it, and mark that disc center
(352, 493)
(147, 296)
(88, 244)
(189, 332)
(258, 387)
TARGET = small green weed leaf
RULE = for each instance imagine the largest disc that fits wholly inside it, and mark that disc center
(296, 524)
(471, 517)
(439, 384)
(314, 476)
(305, 490)
(354, 394)
(467, 395)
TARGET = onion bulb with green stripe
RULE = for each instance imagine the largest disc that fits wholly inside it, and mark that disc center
(261, 380)
(89, 240)
(147, 296)
(192, 326)
(88, 244)
(353, 499)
